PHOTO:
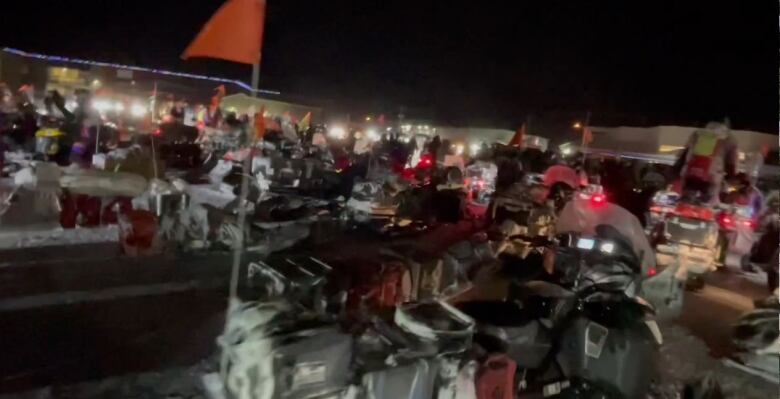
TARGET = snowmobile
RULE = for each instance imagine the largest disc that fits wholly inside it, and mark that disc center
(480, 186)
(737, 228)
(690, 239)
(756, 335)
(662, 204)
(588, 335)
(591, 304)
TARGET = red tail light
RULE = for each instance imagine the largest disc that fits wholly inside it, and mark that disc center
(694, 212)
(726, 221)
(652, 272)
(598, 199)
(426, 160)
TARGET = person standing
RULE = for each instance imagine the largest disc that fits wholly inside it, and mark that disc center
(709, 156)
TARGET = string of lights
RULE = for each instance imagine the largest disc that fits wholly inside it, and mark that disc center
(56, 58)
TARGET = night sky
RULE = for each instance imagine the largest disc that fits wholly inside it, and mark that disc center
(476, 62)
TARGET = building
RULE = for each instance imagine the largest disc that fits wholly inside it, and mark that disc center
(241, 103)
(119, 85)
(669, 139)
(475, 136)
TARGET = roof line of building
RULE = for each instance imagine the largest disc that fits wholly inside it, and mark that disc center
(56, 58)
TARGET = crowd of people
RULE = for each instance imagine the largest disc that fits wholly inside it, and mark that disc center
(74, 133)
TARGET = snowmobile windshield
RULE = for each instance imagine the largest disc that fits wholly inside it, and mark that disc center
(582, 215)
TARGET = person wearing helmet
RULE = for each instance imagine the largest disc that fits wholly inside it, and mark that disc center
(518, 201)
(710, 153)
(563, 182)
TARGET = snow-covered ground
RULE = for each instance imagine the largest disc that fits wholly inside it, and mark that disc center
(685, 359)
(178, 383)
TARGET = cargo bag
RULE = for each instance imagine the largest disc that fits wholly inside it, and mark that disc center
(436, 324)
(311, 363)
(389, 366)
(431, 276)
(300, 279)
(276, 350)
(411, 381)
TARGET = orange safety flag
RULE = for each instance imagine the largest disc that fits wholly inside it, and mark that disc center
(519, 138)
(260, 124)
(587, 135)
(234, 33)
(217, 98)
(305, 122)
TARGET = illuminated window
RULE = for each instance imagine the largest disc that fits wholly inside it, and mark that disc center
(65, 75)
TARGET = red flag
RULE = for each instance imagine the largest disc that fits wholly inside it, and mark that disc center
(519, 137)
(234, 33)
(381, 120)
(587, 135)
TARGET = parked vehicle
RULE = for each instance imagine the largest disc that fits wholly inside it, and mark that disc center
(690, 239)
(737, 228)
(481, 182)
(662, 204)
(611, 340)
(757, 338)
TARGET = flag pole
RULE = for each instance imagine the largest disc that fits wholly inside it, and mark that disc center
(255, 77)
(246, 169)
(238, 247)
(585, 128)
(221, 39)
